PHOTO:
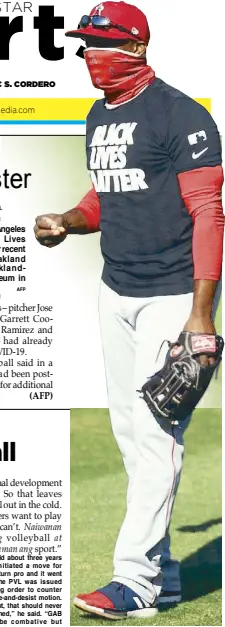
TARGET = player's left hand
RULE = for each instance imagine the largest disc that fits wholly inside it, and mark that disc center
(200, 324)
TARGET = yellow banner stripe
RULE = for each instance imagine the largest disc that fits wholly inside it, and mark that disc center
(53, 109)
(205, 102)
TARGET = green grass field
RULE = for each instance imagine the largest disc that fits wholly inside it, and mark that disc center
(98, 486)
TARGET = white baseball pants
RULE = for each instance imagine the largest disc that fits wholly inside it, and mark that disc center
(132, 331)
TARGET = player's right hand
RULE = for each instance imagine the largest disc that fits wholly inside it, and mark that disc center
(50, 230)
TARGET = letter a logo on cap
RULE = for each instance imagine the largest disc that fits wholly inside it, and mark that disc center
(100, 8)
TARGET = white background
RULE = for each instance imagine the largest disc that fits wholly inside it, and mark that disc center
(66, 277)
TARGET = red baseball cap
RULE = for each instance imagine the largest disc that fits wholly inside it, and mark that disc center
(121, 13)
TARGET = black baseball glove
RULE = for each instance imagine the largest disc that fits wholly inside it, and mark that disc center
(175, 390)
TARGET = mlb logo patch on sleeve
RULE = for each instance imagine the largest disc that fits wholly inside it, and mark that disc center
(195, 138)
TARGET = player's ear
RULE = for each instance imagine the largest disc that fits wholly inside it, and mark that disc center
(138, 47)
(141, 49)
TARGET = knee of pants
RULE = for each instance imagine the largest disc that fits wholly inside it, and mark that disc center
(127, 449)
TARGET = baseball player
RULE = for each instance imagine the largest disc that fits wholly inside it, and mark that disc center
(154, 159)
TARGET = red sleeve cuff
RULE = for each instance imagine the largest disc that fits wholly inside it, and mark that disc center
(89, 206)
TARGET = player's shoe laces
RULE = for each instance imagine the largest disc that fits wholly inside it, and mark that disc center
(115, 601)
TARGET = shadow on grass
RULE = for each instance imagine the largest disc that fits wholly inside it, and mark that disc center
(201, 572)
(203, 527)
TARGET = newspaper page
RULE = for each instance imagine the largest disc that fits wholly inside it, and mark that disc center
(83, 318)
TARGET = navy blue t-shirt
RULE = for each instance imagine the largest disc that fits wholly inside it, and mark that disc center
(134, 153)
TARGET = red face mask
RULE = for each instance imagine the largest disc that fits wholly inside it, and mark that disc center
(120, 74)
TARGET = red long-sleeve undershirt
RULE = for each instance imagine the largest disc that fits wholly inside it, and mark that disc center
(201, 190)
(90, 207)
